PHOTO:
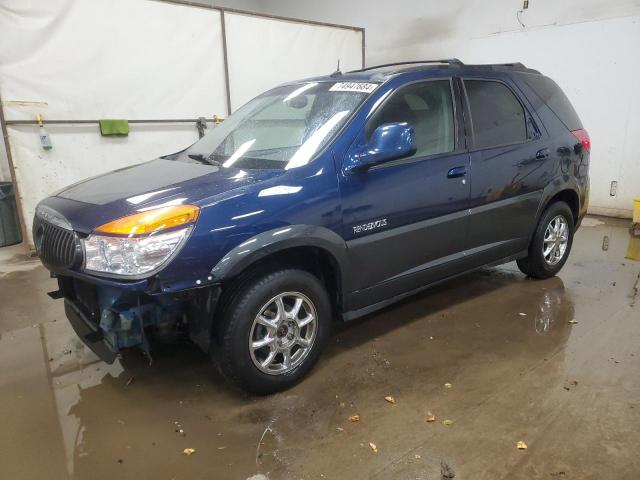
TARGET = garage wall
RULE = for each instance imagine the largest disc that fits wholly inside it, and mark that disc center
(257, 63)
(587, 46)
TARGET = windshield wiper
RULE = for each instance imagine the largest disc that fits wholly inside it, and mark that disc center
(198, 157)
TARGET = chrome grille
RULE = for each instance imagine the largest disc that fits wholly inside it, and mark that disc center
(56, 246)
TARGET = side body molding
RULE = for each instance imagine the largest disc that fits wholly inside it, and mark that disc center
(278, 239)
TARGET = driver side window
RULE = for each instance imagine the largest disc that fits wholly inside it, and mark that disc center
(428, 108)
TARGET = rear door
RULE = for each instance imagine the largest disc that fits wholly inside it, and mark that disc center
(405, 221)
(510, 165)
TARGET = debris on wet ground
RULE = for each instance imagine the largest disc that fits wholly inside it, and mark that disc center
(447, 422)
(179, 429)
(573, 321)
(447, 385)
(390, 399)
(522, 314)
(354, 418)
(373, 447)
(340, 429)
(189, 451)
(380, 360)
(430, 417)
(446, 472)
(520, 445)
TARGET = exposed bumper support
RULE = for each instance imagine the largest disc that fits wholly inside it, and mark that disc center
(89, 333)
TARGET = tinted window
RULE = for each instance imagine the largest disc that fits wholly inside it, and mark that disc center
(550, 93)
(428, 108)
(496, 114)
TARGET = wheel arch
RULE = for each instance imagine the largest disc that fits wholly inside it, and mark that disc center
(570, 197)
(318, 250)
(563, 189)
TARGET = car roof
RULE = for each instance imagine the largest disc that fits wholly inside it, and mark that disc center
(384, 72)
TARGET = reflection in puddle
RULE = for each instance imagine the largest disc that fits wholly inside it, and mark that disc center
(552, 309)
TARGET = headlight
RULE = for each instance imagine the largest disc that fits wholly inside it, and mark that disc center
(146, 246)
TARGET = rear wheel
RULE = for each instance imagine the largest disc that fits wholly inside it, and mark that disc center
(551, 242)
(273, 330)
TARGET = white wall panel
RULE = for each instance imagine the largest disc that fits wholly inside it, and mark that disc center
(80, 59)
(263, 53)
(597, 66)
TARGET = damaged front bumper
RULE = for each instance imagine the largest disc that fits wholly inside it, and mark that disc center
(109, 318)
(90, 333)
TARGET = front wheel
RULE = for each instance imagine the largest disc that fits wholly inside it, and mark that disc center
(551, 242)
(273, 330)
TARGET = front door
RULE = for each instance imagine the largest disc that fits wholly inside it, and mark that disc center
(405, 221)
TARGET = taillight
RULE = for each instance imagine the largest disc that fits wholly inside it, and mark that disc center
(583, 136)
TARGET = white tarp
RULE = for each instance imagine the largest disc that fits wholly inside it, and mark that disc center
(133, 59)
(277, 51)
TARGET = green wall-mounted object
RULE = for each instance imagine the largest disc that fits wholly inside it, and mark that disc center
(114, 127)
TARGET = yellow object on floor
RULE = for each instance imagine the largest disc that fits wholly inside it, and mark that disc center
(636, 210)
(633, 248)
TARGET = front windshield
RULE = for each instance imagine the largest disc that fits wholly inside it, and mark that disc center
(282, 128)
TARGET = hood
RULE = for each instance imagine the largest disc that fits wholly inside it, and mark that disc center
(93, 202)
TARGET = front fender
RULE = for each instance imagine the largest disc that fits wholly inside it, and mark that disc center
(279, 239)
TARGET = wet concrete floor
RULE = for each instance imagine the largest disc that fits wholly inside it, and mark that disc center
(519, 370)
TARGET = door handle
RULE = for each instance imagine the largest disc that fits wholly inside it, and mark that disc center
(542, 154)
(457, 172)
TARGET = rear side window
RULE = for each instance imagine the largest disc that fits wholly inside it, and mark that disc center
(551, 94)
(497, 116)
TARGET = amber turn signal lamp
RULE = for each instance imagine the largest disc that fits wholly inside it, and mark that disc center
(152, 220)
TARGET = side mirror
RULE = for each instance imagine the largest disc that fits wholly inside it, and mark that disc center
(388, 142)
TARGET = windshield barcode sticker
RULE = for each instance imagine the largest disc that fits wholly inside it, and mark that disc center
(353, 87)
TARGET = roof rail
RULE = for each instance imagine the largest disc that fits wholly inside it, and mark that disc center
(451, 61)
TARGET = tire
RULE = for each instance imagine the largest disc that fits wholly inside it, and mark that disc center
(535, 264)
(240, 328)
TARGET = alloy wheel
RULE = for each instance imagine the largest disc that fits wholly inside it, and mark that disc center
(556, 239)
(283, 333)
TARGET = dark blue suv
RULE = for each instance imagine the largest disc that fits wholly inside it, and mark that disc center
(322, 199)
